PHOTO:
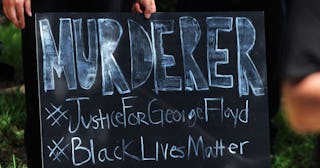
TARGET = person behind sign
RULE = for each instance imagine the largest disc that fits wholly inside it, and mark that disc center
(15, 10)
(301, 87)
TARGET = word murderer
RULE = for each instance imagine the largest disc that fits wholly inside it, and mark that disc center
(147, 55)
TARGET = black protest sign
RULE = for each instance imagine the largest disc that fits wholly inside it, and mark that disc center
(178, 90)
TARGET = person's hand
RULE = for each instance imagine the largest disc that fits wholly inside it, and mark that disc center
(144, 6)
(15, 9)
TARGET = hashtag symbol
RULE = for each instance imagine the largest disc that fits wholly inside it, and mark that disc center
(56, 115)
(57, 151)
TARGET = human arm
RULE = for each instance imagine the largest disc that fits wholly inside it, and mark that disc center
(147, 7)
(15, 9)
(301, 86)
(301, 103)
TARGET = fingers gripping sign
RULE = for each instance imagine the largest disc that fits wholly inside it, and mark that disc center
(144, 6)
(15, 9)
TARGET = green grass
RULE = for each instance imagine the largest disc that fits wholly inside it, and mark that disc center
(12, 105)
(12, 122)
(15, 164)
(290, 149)
(11, 53)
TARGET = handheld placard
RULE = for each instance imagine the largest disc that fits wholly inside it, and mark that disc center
(179, 90)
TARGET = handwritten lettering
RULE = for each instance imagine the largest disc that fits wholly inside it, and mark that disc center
(129, 117)
(84, 152)
(123, 105)
(148, 54)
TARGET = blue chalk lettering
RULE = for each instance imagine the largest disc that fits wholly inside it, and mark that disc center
(57, 60)
(87, 64)
(116, 151)
(177, 152)
(86, 153)
(79, 116)
(143, 157)
(110, 32)
(164, 150)
(197, 148)
(162, 81)
(248, 74)
(141, 54)
(125, 152)
(152, 112)
(216, 105)
(103, 155)
(217, 56)
(190, 34)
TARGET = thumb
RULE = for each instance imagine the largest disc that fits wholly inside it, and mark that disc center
(150, 7)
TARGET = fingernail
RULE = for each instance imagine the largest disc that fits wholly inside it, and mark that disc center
(147, 15)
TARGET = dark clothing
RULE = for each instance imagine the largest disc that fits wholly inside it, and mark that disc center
(32, 136)
(80, 5)
(303, 47)
(303, 39)
(218, 5)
